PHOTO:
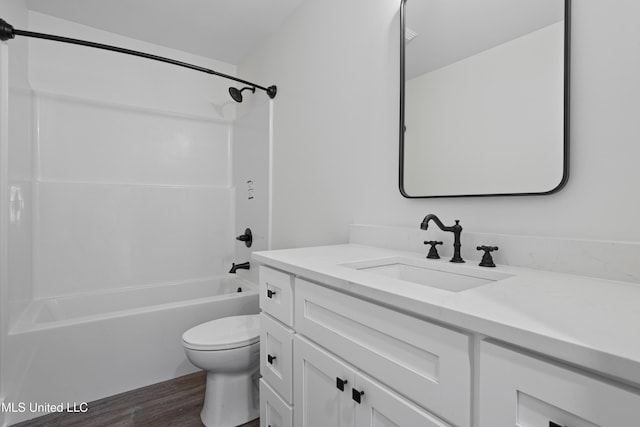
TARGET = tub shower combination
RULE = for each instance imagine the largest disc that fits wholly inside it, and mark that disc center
(120, 193)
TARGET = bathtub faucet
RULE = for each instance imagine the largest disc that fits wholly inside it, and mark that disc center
(455, 229)
(242, 266)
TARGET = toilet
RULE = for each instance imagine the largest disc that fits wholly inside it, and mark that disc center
(229, 350)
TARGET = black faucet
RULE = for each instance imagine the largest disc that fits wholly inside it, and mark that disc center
(242, 266)
(455, 229)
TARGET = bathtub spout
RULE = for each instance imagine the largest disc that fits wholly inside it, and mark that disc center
(242, 266)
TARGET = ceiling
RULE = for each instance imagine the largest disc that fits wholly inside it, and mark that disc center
(226, 30)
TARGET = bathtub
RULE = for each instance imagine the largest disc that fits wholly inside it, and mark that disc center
(85, 347)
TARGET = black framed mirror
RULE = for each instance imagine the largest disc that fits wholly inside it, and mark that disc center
(484, 97)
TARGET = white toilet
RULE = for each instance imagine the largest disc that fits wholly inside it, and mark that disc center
(229, 350)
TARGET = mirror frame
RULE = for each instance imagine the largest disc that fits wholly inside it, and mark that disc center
(565, 172)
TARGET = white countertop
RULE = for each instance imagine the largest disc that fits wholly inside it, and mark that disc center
(589, 322)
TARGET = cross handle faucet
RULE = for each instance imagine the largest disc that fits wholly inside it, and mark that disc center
(455, 229)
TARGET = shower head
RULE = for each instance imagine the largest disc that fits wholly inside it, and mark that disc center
(236, 93)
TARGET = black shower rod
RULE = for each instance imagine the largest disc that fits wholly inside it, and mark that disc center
(8, 32)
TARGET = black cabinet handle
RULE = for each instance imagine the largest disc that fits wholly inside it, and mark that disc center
(340, 383)
(270, 293)
(552, 424)
(270, 359)
(356, 394)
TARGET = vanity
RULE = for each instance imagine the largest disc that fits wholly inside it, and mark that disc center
(357, 335)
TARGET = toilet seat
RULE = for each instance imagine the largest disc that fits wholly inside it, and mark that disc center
(224, 333)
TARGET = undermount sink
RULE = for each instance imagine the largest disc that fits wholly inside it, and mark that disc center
(452, 278)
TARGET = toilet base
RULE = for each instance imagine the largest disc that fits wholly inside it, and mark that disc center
(231, 399)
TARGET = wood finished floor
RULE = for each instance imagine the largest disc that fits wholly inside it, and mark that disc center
(173, 403)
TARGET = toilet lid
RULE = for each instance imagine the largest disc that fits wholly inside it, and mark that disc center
(224, 333)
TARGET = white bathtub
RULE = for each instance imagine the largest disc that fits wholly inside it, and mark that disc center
(84, 347)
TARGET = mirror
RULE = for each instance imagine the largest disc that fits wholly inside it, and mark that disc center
(484, 97)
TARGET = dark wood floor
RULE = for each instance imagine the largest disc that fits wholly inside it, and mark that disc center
(173, 403)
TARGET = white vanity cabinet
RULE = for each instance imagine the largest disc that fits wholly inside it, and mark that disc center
(276, 348)
(415, 357)
(404, 371)
(330, 392)
(518, 389)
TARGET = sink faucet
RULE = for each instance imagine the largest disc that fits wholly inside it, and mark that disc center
(242, 266)
(455, 229)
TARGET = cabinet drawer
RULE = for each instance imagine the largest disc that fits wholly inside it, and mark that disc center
(425, 362)
(527, 391)
(274, 412)
(276, 294)
(276, 356)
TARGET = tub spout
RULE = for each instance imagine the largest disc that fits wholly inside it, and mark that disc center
(241, 266)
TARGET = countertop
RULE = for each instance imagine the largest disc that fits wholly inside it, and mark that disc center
(588, 322)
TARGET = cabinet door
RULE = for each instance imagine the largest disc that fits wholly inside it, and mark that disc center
(380, 407)
(427, 363)
(274, 412)
(518, 389)
(322, 388)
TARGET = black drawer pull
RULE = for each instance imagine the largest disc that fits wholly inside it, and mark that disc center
(270, 293)
(356, 394)
(340, 383)
(270, 359)
(552, 424)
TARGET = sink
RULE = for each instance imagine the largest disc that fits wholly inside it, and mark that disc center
(436, 274)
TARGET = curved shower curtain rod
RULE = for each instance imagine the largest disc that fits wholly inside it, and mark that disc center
(8, 32)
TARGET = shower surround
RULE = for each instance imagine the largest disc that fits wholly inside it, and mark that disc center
(121, 187)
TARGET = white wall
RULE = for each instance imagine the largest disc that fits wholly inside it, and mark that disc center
(133, 174)
(336, 129)
(331, 63)
(15, 183)
(20, 169)
(122, 79)
(251, 151)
